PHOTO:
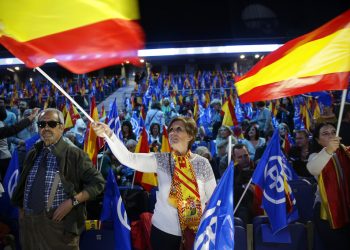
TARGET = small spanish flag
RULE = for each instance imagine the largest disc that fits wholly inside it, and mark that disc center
(316, 61)
(81, 35)
(146, 180)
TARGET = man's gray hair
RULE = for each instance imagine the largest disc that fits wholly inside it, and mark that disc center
(52, 110)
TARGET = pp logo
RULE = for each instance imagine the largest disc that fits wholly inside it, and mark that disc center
(275, 170)
(12, 183)
(122, 217)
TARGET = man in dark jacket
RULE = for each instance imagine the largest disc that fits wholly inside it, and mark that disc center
(56, 180)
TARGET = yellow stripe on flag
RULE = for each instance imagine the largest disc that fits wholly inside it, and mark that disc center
(42, 17)
(323, 56)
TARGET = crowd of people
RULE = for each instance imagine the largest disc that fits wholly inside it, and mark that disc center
(190, 108)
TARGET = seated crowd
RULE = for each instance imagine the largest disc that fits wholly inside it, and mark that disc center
(159, 98)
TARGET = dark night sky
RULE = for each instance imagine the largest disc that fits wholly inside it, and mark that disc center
(166, 22)
(183, 20)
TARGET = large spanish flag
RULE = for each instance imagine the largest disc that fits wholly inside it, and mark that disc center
(82, 35)
(316, 61)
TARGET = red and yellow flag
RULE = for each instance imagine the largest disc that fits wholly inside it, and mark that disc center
(196, 110)
(335, 189)
(82, 35)
(165, 141)
(316, 61)
(146, 180)
(92, 143)
(230, 118)
(68, 123)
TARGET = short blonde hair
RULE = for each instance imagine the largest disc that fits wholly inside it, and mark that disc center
(190, 126)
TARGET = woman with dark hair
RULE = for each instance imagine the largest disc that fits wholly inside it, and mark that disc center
(185, 181)
(155, 137)
(285, 113)
(252, 139)
(127, 131)
(329, 163)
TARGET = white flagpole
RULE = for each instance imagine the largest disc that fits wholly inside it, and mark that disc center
(341, 111)
(229, 151)
(65, 93)
(242, 196)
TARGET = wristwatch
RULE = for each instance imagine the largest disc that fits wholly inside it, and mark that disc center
(74, 201)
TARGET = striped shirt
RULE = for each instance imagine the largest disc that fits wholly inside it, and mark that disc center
(51, 169)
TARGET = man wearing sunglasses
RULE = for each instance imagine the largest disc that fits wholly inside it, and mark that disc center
(56, 180)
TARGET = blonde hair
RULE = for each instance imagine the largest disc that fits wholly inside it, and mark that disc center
(190, 126)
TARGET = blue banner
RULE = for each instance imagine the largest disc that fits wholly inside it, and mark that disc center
(216, 230)
(10, 183)
(272, 175)
(113, 210)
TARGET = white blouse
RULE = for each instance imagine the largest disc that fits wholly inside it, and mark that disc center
(165, 216)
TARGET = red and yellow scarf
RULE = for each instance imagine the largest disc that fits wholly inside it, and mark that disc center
(184, 194)
(334, 184)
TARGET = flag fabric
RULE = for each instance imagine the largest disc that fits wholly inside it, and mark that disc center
(92, 143)
(196, 110)
(114, 121)
(216, 229)
(100, 33)
(230, 115)
(146, 180)
(272, 175)
(305, 117)
(165, 141)
(113, 210)
(31, 141)
(286, 143)
(68, 123)
(74, 114)
(335, 189)
(10, 183)
(316, 61)
(103, 114)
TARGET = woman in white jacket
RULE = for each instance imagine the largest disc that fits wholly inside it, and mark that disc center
(185, 181)
(328, 160)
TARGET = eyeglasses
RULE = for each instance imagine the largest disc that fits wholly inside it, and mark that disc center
(52, 124)
(332, 133)
(177, 130)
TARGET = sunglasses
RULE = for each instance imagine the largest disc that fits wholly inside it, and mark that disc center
(52, 124)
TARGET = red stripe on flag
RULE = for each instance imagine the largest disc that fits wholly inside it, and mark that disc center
(100, 45)
(334, 81)
(182, 173)
(185, 184)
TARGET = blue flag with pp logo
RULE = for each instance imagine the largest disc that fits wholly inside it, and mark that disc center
(216, 229)
(113, 210)
(272, 175)
(10, 183)
(114, 121)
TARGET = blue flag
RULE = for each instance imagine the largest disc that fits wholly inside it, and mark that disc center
(10, 183)
(31, 141)
(216, 230)
(272, 175)
(114, 121)
(113, 210)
